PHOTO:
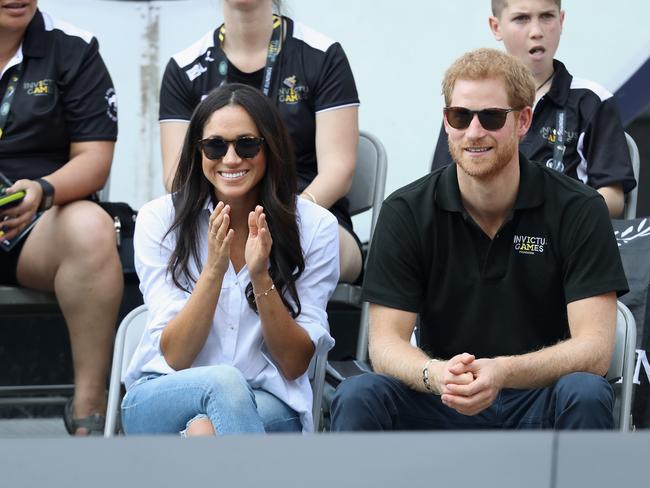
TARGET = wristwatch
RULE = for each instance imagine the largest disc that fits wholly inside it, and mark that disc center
(48, 194)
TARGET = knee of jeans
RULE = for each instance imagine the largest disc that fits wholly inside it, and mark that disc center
(356, 391)
(585, 389)
(228, 379)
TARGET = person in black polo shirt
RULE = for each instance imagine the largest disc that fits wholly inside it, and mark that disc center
(308, 77)
(58, 129)
(512, 268)
(591, 147)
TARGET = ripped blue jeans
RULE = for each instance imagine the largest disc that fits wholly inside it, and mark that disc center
(166, 404)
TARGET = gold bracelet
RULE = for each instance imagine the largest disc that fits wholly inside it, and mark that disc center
(311, 197)
(425, 375)
(264, 293)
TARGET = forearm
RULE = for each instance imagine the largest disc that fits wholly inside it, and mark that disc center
(543, 367)
(287, 342)
(184, 336)
(393, 356)
(329, 186)
(84, 174)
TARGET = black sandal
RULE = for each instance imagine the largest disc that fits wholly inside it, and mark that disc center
(94, 423)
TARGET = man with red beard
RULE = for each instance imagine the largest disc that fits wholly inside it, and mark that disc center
(512, 269)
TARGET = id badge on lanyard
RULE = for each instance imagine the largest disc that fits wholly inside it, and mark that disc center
(271, 57)
(8, 97)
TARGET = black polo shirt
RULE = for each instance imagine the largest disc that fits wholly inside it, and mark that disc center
(596, 150)
(64, 95)
(311, 75)
(492, 297)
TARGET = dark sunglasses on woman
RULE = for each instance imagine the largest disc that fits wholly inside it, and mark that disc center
(246, 147)
(490, 118)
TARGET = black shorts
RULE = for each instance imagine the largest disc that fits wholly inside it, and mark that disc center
(9, 263)
(340, 212)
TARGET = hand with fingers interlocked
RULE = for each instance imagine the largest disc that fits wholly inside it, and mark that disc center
(220, 237)
(471, 398)
(258, 244)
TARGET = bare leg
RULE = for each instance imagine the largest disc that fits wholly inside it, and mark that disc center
(72, 252)
(200, 427)
(350, 256)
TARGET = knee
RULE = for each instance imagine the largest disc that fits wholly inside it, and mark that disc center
(200, 427)
(88, 233)
(585, 390)
(356, 397)
(228, 382)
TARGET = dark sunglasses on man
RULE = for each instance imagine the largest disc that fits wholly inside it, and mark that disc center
(490, 118)
(246, 147)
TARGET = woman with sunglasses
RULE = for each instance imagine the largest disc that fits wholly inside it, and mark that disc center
(308, 78)
(236, 272)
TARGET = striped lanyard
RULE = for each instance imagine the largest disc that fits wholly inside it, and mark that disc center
(271, 57)
(559, 147)
(8, 97)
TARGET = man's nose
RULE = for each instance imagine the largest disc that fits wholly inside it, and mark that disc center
(475, 129)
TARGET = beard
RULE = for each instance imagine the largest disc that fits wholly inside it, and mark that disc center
(489, 165)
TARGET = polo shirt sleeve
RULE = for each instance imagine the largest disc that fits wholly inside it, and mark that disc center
(176, 99)
(335, 86)
(394, 272)
(605, 149)
(88, 98)
(593, 263)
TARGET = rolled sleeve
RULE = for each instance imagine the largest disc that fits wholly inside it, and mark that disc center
(317, 282)
(152, 252)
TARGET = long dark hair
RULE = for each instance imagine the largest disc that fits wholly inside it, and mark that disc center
(277, 193)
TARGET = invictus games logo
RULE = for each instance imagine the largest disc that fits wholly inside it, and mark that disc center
(291, 91)
(39, 88)
(111, 102)
(529, 244)
(550, 135)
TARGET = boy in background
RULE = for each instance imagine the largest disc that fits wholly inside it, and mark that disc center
(576, 127)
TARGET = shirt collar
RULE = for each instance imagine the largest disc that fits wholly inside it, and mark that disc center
(529, 195)
(561, 84)
(16, 60)
(208, 204)
(447, 195)
(35, 42)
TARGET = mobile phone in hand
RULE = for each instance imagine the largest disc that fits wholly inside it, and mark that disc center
(8, 200)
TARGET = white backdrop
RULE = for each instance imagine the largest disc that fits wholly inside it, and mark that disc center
(398, 52)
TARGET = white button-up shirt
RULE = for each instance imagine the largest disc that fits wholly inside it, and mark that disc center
(236, 335)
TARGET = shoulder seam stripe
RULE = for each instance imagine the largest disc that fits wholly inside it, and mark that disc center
(190, 54)
(599, 90)
(311, 37)
(65, 27)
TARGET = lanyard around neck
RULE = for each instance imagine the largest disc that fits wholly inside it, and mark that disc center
(271, 57)
(8, 97)
(559, 147)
